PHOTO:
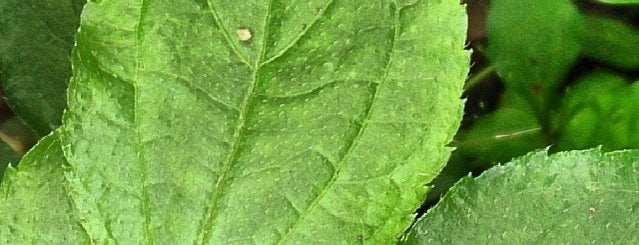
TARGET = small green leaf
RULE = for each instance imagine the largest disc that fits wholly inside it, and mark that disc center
(36, 207)
(599, 109)
(532, 46)
(36, 38)
(610, 41)
(578, 197)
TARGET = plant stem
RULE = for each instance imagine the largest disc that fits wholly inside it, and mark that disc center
(477, 78)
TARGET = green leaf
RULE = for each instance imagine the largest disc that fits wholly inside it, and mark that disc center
(36, 38)
(532, 47)
(599, 109)
(36, 206)
(610, 41)
(577, 197)
(320, 126)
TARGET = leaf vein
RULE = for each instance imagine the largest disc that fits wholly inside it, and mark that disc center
(298, 37)
(227, 36)
(194, 86)
(227, 165)
(352, 143)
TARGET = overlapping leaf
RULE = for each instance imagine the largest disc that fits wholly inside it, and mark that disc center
(36, 207)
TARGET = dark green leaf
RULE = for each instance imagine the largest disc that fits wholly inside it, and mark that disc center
(611, 41)
(532, 46)
(500, 136)
(36, 38)
(7, 155)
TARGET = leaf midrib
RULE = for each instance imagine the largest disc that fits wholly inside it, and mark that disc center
(207, 222)
(139, 148)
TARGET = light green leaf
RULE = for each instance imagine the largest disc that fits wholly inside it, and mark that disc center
(320, 126)
(36, 38)
(599, 109)
(578, 197)
(36, 207)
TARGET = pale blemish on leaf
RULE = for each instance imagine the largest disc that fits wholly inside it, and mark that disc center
(244, 34)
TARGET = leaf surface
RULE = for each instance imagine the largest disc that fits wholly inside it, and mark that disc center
(257, 122)
(36, 207)
(36, 38)
(570, 197)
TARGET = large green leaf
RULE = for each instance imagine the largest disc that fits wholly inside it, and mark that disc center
(320, 126)
(578, 197)
(36, 38)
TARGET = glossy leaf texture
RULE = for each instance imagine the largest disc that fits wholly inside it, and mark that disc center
(36, 38)
(579, 197)
(259, 122)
